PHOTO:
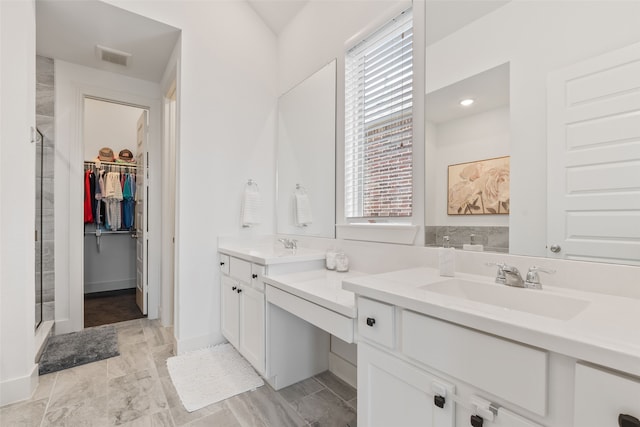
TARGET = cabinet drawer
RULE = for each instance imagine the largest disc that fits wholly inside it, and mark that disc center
(376, 321)
(240, 269)
(506, 369)
(600, 397)
(224, 263)
(257, 273)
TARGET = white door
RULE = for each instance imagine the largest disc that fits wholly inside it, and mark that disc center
(252, 328)
(594, 159)
(394, 393)
(142, 201)
(230, 310)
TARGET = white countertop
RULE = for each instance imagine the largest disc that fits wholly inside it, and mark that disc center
(268, 255)
(322, 287)
(606, 332)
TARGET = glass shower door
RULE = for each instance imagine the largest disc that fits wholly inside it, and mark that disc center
(38, 228)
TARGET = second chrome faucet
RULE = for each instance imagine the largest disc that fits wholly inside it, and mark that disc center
(510, 276)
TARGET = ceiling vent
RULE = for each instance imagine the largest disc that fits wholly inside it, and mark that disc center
(113, 56)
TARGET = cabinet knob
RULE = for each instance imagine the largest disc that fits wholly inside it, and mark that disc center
(239, 290)
(439, 401)
(221, 263)
(234, 288)
(371, 321)
(476, 421)
(255, 276)
(625, 420)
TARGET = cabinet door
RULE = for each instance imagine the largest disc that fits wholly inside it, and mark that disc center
(601, 397)
(252, 327)
(230, 310)
(393, 393)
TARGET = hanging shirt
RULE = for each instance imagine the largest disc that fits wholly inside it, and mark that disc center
(88, 213)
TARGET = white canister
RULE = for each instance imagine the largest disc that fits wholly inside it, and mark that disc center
(342, 262)
(330, 259)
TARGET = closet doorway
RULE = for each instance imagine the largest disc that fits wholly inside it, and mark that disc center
(115, 211)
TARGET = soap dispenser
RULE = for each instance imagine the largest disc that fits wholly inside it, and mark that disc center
(446, 258)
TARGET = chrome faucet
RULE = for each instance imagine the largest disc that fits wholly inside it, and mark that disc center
(289, 244)
(508, 275)
(533, 279)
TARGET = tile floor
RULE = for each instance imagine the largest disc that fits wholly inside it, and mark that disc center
(134, 389)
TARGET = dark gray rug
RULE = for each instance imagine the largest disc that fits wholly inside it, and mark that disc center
(78, 348)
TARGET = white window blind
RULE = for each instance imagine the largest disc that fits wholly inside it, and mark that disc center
(379, 123)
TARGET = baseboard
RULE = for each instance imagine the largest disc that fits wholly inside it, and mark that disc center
(343, 369)
(17, 389)
(196, 343)
(42, 333)
(64, 326)
(113, 285)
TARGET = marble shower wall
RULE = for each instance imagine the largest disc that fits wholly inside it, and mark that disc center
(494, 239)
(45, 122)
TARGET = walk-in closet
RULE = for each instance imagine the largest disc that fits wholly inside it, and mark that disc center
(113, 211)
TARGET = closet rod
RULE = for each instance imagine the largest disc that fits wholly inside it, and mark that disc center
(93, 233)
(125, 165)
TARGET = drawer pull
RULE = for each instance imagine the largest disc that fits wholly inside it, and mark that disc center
(255, 276)
(371, 321)
(476, 421)
(439, 401)
(239, 290)
(625, 420)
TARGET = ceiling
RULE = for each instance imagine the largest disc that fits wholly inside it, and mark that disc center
(70, 30)
(277, 13)
(489, 89)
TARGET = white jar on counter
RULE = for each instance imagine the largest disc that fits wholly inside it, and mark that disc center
(330, 259)
(342, 262)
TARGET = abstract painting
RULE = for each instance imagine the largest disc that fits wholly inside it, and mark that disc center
(479, 188)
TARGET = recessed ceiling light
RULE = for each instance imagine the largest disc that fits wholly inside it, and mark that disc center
(466, 102)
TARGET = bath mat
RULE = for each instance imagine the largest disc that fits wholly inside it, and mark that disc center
(78, 348)
(207, 376)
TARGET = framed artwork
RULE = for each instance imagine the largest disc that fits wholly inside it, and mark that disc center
(479, 188)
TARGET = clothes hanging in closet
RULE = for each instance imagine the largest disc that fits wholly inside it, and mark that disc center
(109, 199)
(89, 182)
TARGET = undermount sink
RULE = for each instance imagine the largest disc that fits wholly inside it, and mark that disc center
(531, 301)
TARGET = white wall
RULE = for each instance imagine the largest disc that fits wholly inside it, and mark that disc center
(480, 136)
(73, 82)
(18, 372)
(535, 37)
(227, 106)
(107, 124)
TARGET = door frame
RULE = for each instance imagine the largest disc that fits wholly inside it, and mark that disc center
(70, 316)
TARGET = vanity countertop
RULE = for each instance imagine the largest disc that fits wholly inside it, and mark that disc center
(322, 287)
(268, 255)
(605, 332)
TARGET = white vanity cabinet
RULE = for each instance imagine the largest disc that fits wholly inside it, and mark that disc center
(602, 397)
(406, 359)
(392, 392)
(243, 309)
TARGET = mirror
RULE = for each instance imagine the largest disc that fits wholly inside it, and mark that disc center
(305, 203)
(522, 44)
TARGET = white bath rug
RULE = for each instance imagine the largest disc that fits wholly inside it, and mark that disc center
(210, 375)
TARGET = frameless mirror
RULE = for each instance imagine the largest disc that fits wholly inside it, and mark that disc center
(305, 203)
(567, 125)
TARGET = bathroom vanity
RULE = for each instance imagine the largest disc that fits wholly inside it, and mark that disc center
(280, 308)
(465, 351)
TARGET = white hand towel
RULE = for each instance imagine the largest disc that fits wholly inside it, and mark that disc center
(251, 206)
(303, 210)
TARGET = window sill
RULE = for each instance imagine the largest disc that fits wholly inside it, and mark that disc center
(403, 234)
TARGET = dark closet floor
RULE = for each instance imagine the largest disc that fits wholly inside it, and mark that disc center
(103, 308)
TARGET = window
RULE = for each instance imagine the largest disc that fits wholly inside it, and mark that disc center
(379, 123)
